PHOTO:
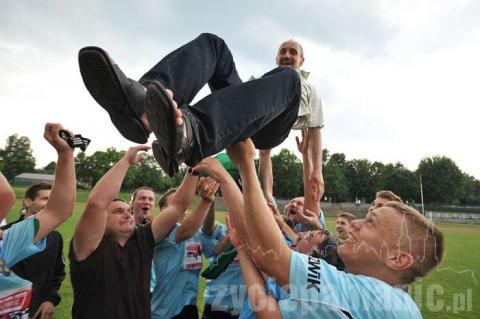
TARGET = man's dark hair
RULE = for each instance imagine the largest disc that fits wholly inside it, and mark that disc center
(147, 188)
(32, 191)
(162, 202)
(328, 252)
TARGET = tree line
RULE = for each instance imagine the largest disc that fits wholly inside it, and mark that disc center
(345, 180)
(17, 158)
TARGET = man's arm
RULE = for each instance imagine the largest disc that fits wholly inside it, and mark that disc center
(307, 217)
(312, 169)
(162, 224)
(62, 196)
(264, 305)
(264, 236)
(230, 191)
(288, 231)
(209, 224)
(7, 197)
(91, 226)
(191, 224)
(265, 172)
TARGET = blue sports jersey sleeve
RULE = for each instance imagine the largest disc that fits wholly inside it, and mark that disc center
(17, 243)
(171, 236)
(319, 290)
(220, 231)
(208, 243)
(323, 222)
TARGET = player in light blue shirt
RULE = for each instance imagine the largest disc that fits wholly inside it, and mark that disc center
(319, 290)
(177, 269)
(177, 260)
(381, 253)
(17, 244)
(28, 237)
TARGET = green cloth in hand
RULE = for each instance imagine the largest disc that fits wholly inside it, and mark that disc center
(217, 267)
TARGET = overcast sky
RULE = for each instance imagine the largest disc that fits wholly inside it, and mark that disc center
(398, 79)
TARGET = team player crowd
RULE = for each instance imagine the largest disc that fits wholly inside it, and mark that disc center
(126, 261)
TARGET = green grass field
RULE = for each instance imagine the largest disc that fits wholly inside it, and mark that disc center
(450, 291)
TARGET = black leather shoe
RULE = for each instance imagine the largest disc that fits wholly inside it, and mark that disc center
(121, 97)
(175, 143)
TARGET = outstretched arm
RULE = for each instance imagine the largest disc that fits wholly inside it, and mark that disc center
(62, 196)
(230, 191)
(265, 172)
(265, 238)
(207, 188)
(209, 224)
(256, 289)
(284, 228)
(313, 175)
(254, 282)
(91, 226)
(7, 197)
(307, 217)
(163, 223)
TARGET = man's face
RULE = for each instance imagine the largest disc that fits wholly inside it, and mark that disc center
(143, 204)
(119, 218)
(371, 240)
(290, 54)
(342, 227)
(377, 203)
(294, 206)
(36, 205)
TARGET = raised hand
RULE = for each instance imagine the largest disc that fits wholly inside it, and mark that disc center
(207, 188)
(213, 168)
(302, 145)
(132, 157)
(306, 216)
(242, 152)
(317, 185)
(51, 134)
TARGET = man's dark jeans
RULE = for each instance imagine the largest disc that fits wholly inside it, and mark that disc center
(263, 109)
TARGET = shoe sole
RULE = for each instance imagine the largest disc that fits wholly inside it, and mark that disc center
(161, 117)
(105, 87)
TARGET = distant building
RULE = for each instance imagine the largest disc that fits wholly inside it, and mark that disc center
(33, 178)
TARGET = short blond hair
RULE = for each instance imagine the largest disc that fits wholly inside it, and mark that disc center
(421, 238)
(389, 195)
